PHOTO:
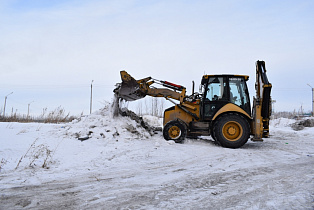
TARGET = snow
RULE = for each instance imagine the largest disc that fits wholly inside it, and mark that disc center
(121, 166)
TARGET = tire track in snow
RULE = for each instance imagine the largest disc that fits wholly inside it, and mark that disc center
(267, 187)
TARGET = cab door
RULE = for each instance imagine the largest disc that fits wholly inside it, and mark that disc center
(216, 95)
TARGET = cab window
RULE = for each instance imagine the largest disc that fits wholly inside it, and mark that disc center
(239, 93)
(216, 89)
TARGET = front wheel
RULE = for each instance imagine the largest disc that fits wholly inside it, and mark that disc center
(174, 130)
(231, 130)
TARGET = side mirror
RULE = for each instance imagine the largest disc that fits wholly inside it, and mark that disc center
(193, 86)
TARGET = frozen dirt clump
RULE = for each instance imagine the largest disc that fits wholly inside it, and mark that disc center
(151, 129)
(300, 125)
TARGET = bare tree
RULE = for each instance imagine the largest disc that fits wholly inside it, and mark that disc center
(139, 108)
(146, 107)
(161, 107)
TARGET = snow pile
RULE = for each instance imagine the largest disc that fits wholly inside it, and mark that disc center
(103, 125)
(296, 125)
(36, 145)
(122, 166)
(281, 122)
(153, 121)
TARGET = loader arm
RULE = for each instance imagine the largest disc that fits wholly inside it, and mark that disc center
(261, 103)
(131, 89)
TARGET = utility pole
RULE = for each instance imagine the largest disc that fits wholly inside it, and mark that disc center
(273, 107)
(5, 102)
(28, 109)
(91, 96)
(312, 100)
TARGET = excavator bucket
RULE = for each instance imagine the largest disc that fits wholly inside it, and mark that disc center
(129, 89)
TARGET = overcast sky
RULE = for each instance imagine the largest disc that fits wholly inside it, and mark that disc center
(50, 51)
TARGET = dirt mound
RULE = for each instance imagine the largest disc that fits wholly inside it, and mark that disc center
(300, 125)
(116, 110)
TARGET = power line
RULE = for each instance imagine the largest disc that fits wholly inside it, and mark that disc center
(54, 86)
(289, 89)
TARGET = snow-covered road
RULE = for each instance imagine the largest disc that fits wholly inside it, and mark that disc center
(122, 167)
(280, 186)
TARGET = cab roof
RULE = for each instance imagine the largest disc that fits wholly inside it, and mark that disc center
(206, 77)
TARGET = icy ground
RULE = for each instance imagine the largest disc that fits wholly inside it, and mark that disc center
(121, 166)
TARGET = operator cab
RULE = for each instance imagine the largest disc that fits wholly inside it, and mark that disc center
(219, 90)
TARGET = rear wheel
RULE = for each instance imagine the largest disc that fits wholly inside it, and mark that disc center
(174, 130)
(231, 130)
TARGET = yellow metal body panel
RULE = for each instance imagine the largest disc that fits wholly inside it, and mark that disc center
(230, 108)
(178, 113)
(257, 123)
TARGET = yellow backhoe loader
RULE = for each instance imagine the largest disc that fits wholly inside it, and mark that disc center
(222, 109)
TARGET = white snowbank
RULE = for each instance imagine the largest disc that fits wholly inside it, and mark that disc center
(122, 166)
(153, 121)
(281, 122)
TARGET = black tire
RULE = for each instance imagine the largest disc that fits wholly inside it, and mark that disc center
(213, 137)
(174, 130)
(231, 130)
